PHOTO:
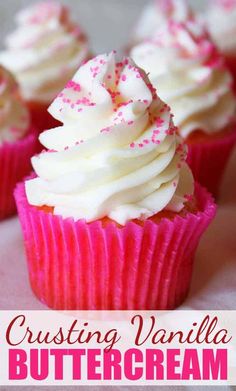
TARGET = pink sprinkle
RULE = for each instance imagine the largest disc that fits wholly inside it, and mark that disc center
(130, 122)
(72, 84)
(123, 78)
(132, 145)
(105, 130)
(159, 121)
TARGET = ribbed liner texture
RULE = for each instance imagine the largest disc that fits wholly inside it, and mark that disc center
(208, 161)
(76, 265)
(15, 164)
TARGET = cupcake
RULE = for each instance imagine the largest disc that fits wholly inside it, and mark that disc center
(17, 141)
(157, 13)
(111, 220)
(192, 78)
(43, 53)
(221, 23)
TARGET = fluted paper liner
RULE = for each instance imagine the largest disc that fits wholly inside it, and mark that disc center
(92, 266)
(15, 164)
(208, 161)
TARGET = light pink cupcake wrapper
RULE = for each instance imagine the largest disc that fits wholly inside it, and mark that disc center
(208, 161)
(75, 265)
(15, 164)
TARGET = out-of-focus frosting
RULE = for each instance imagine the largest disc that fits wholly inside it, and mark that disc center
(221, 23)
(14, 116)
(45, 50)
(117, 153)
(190, 76)
(157, 13)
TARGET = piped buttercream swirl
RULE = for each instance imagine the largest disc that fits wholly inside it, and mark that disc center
(14, 115)
(45, 50)
(158, 13)
(190, 76)
(116, 154)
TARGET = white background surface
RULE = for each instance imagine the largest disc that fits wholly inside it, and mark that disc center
(108, 24)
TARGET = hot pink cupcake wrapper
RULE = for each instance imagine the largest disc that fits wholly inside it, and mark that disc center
(15, 164)
(76, 265)
(208, 161)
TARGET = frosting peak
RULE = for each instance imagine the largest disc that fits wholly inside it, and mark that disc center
(157, 13)
(190, 76)
(14, 116)
(44, 12)
(116, 154)
(49, 48)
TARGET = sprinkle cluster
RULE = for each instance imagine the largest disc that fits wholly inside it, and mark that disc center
(191, 40)
(77, 99)
(46, 10)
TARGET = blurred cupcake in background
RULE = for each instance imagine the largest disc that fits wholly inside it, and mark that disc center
(111, 219)
(191, 77)
(157, 13)
(17, 141)
(43, 53)
(221, 23)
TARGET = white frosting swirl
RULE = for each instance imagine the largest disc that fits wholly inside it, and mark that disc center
(14, 116)
(116, 154)
(190, 76)
(45, 50)
(157, 13)
(221, 23)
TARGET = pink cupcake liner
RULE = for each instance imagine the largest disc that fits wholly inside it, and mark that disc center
(76, 265)
(15, 164)
(208, 161)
